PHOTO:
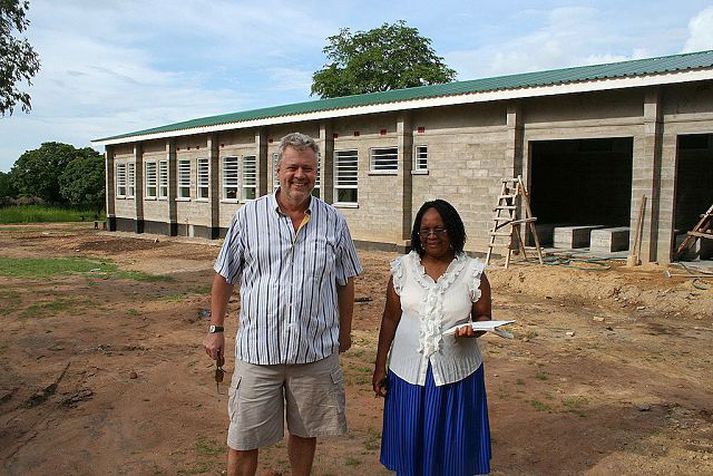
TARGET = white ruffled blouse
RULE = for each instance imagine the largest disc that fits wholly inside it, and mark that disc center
(427, 309)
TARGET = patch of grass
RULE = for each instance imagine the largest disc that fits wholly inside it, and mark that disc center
(208, 447)
(372, 441)
(51, 308)
(539, 406)
(542, 375)
(575, 403)
(519, 382)
(8, 302)
(133, 312)
(45, 214)
(350, 461)
(174, 297)
(140, 276)
(43, 267)
(200, 467)
(199, 290)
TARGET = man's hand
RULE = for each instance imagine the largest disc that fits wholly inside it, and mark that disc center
(345, 342)
(214, 345)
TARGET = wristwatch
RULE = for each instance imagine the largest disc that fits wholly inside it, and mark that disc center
(213, 329)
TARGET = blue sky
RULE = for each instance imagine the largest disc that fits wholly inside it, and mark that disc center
(115, 66)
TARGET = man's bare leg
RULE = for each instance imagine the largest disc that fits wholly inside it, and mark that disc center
(301, 451)
(242, 463)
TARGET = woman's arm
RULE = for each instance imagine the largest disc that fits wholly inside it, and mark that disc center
(389, 322)
(481, 311)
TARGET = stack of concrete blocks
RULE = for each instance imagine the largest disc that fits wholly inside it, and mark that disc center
(569, 237)
(609, 240)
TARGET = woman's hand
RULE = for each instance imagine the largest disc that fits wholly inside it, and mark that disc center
(467, 331)
(378, 382)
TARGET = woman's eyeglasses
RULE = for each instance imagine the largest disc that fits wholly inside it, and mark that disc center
(438, 232)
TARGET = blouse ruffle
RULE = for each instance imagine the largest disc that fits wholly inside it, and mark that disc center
(432, 314)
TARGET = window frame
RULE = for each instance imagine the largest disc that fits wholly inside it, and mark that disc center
(202, 179)
(120, 174)
(248, 190)
(230, 181)
(378, 155)
(150, 183)
(162, 179)
(183, 179)
(130, 179)
(418, 168)
(351, 181)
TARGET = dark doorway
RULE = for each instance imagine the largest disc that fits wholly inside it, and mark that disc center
(694, 189)
(582, 182)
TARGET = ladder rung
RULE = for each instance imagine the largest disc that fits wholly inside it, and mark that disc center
(505, 207)
(499, 233)
(506, 196)
(700, 235)
(502, 219)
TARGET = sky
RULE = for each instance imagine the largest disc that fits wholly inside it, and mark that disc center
(114, 66)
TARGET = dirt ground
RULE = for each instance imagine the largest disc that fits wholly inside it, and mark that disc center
(610, 370)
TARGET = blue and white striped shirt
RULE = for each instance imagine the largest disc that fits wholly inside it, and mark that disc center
(288, 281)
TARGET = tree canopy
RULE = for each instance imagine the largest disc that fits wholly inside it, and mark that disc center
(37, 172)
(82, 182)
(18, 61)
(392, 56)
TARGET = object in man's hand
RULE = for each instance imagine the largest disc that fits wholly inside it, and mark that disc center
(219, 373)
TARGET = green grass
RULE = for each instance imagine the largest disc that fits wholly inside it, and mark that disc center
(44, 214)
(542, 376)
(539, 406)
(209, 447)
(44, 267)
(52, 308)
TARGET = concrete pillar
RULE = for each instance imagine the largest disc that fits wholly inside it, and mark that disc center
(515, 142)
(214, 189)
(404, 133)
(326, 165)
(139, 187)
(646, 175)
(261, 161)
(110, 188)
(172, 187)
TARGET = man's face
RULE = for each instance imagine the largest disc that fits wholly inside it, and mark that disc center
(297, 172)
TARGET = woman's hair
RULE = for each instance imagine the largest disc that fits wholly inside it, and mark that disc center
(451, 220)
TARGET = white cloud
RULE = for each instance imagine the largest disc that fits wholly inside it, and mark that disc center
(701, 31)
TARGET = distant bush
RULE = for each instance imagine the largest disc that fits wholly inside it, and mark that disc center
(36, 213)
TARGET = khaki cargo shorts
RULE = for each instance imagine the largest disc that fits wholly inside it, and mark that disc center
(314, 394)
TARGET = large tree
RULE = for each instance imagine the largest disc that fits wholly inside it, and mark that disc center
(18, 61)
(6, 188)
(389, 57)
(82, 182)
(36, 173)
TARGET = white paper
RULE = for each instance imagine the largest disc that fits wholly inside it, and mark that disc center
(492, 326)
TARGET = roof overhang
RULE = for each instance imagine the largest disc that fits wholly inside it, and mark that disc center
(450, 100)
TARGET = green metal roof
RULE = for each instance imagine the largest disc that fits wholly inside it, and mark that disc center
(632, 68)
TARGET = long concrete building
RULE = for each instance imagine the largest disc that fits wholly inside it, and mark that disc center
(590, 143)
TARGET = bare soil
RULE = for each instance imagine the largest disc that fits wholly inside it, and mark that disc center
(610, 371)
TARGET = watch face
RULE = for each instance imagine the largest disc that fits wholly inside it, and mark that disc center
(211, 329)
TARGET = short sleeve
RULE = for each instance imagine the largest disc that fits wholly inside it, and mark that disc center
(347, 260)
(397, 274)
(229, 263)
(475, 269)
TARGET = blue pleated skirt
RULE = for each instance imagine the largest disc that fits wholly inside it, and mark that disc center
(434, 430)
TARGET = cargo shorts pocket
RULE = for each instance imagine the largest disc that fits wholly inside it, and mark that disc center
(233, 397)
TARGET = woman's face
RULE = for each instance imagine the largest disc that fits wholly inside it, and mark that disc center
(434, 235)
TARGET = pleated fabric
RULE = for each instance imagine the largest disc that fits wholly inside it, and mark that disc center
(430, 430)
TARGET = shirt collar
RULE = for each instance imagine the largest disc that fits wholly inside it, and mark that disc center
(276, 205)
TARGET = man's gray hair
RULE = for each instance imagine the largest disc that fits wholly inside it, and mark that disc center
(299, 142)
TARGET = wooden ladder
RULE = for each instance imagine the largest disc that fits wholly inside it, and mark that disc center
(506, 215)
(702, 230)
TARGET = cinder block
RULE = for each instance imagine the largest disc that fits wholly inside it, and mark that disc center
(609, 240)
(569, 237)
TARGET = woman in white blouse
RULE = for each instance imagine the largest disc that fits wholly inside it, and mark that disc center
(435, 412)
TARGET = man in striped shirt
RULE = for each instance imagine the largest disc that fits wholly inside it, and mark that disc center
(295, 261)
